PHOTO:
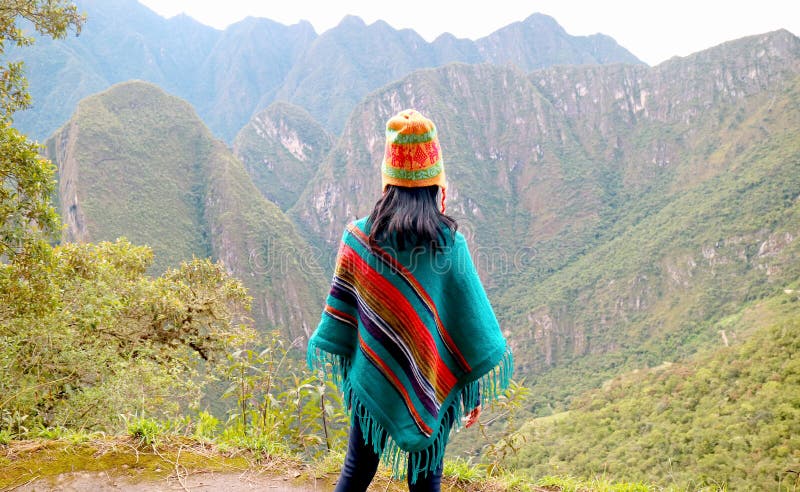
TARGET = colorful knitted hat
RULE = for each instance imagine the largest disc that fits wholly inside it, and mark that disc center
(413, 157)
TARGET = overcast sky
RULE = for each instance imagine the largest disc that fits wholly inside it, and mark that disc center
(652, 30)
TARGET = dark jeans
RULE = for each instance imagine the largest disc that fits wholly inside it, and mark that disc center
(361, 463)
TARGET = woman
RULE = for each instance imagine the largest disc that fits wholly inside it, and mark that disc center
(407, 331)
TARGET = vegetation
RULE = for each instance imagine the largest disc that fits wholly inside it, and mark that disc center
(649, 282)
(90, 341)
(731, 417)
(26, 180)
(112, 341)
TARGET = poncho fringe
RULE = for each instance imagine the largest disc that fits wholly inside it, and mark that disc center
(490, 387)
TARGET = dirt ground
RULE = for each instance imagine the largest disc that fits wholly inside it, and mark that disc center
(199, 481)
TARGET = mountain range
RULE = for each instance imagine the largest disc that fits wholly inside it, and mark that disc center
(231, 75)
(600, 199)
(624, 218)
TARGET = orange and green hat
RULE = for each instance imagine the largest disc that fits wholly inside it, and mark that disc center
(413, 157)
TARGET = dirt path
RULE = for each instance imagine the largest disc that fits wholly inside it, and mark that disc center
(199, 481)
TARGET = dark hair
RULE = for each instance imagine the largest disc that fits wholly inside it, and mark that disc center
(406, 217)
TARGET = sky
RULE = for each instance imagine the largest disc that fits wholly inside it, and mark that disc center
(654, 31)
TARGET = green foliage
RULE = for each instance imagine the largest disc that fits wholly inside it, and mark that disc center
(28, 223)
(146, 431)
(725, 419)
(462, 471)
(600, 484)
(277, 399)
(114, 341)
(73, 436)
(206, 426)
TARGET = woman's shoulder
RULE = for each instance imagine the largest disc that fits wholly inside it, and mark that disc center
(359, 226)
(362, 223)
(458, 240)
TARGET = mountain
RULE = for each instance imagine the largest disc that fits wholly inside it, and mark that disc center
(616, 212)
(248, 63)
(224, 74)
(352, 59)
(231, 75)
(539, 41)
(134, 161)
(121, 40)
(282, 148)
(699, 216)
(349, 61)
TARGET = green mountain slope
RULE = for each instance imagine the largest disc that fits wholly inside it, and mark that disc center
(281, 148)
(139, 163)
(704, 221)
(616, 212)
(731, 417)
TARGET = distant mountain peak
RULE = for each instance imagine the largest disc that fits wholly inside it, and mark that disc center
(779, 44)
(352, 21)
(541, 20)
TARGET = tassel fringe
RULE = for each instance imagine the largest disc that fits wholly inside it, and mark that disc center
(487, 389)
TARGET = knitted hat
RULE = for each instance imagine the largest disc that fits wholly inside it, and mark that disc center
(412, 157)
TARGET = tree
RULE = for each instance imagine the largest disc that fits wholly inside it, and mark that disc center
(27, 217)
(85, 334)
(116, 341)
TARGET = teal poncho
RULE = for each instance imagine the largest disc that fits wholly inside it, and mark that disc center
(409, 337)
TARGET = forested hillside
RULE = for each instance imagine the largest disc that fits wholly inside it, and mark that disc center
(730, 417)
(138, 163)
(282, 148)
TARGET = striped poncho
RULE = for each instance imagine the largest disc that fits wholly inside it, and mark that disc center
(409, 337)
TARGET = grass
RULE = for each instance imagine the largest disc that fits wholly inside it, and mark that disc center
(597, 484)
